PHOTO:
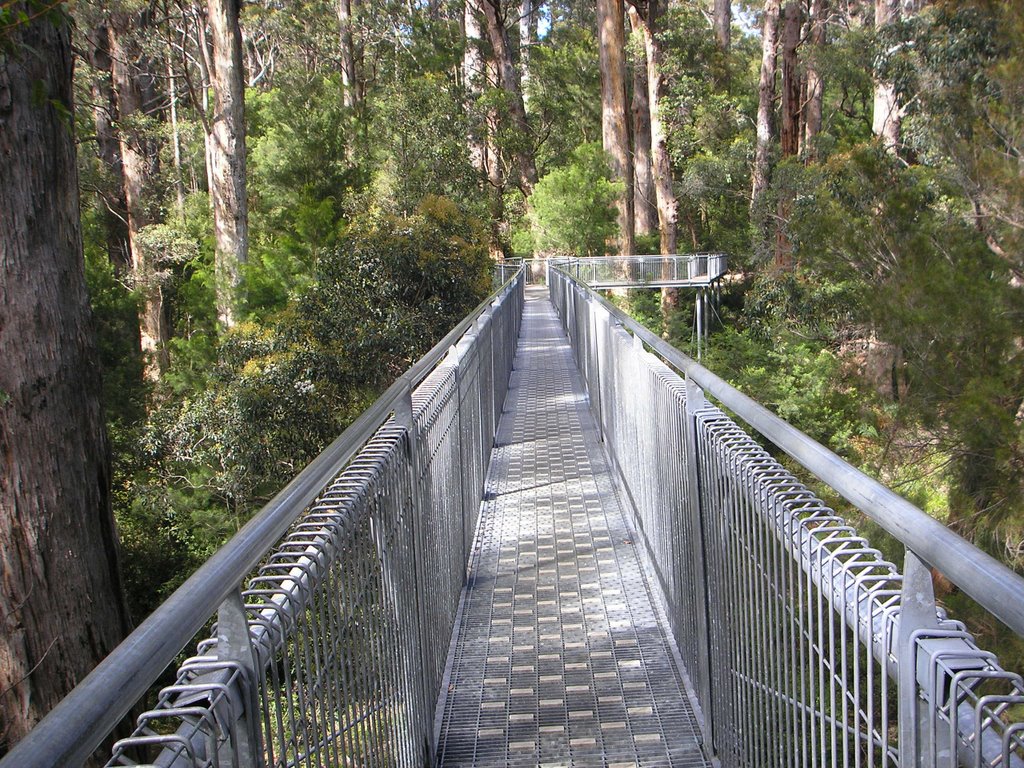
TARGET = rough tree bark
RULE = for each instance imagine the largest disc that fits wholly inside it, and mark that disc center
(645, 18)
(509, 78)
(765, 102)
(789, 131)
(645, 209)
(723, 23)
(61, 607)
(815, 84)
(226, 145)
(887, 115)
(135, 94)
(792, 122)
(611, 37)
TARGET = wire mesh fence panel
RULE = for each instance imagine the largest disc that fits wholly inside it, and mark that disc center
(337, 654)
(805, 646)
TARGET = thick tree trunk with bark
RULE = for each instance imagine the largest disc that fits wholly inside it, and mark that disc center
(887, 116)
(495, 173)
(645, 208)
(61, 607)
(765, 102)
(135, 93)
(473, 78)
(509, 79)
(815, 84)
(723, 23)
(789, 133)
(611, 29)
(226, 144)
(668, 209)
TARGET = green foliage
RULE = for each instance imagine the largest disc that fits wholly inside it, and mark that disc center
(708, 113)
(420, 147)
(929, 284)
(572, 209)
(799, 379)
(564, 93)
(281, 390)
(300, 178)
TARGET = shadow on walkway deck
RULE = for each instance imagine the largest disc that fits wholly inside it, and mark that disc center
(561, 656)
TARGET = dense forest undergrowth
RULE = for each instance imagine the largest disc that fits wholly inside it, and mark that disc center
(283, 203)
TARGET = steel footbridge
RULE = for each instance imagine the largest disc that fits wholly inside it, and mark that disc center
(558, 541)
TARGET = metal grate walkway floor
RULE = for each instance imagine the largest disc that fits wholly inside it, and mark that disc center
(561, 657)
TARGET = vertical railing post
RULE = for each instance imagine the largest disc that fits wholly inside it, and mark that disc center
(234, 645)
(595, 363)
(404, 418)
(695, 403)
(917, 617)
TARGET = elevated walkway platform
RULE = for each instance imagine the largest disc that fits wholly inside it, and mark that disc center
(562, 656)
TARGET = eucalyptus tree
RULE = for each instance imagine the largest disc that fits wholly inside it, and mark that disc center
(61, 606)
(508, 78)
(646, 16)
(135, 77)
(887, 115)
(226, 156)
(614, 121)
(765, 103)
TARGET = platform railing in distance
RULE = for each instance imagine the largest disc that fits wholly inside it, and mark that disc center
(536, 269)
(694, 270)
(334, 606)
(805, 646)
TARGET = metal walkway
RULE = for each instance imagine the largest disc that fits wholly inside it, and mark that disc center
(561, 656)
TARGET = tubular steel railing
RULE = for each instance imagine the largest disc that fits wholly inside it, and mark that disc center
(334, 651)
(806, 646)
(694, 270)
(689, 270)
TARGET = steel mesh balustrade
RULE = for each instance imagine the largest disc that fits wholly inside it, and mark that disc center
(333, 652)
(805, 646)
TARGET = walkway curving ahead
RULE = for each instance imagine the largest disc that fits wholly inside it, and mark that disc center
(561, 657)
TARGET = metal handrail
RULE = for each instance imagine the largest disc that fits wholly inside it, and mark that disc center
(989, 582)
(755, 568)
(77, 726)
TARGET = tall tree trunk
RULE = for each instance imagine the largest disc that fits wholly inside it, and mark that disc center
(527, 36)
(108, 149)
(765, 103)
(135, 94)
(226, 143)
(611, 24)
(348, 55)
(179, 179)
(723, 23)
(645, 208)
(887, 115)
(815, 85)
(61, 605)
(495, 173)
(668, 208)
(792, 126)
(509, 78)
(789, 133)
(473, 77)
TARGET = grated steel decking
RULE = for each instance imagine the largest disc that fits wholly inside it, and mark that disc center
(560, 657)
